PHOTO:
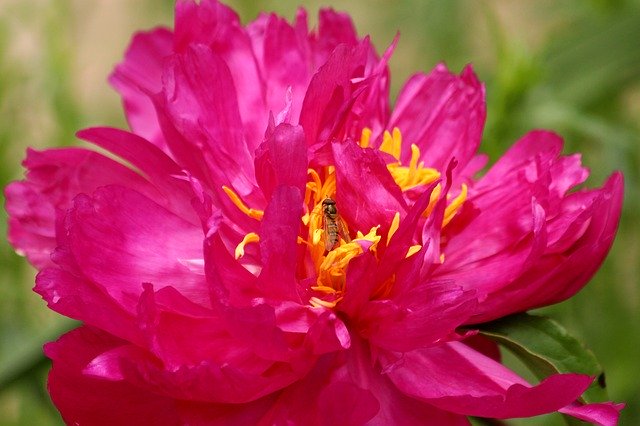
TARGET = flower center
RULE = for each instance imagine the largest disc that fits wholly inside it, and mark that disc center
(330, 247)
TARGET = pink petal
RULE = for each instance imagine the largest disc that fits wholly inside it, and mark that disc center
(602, 414)
(334, 29)
(282, 160)
(330, 94)
(138, 76)
(83, 399)
(443, 114)
(215, 25)
(278, 244)
(456, 378)
(194, 413)
(284, 65)
(417, 318)
(207, 381)
(200, 104)
(121, 239)
(160, 169)
(80, 299)
(557, 277)
(54, 177)
(367, 195)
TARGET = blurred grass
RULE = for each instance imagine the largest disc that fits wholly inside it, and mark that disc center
(571, 65)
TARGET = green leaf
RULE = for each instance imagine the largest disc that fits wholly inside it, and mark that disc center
(546, 348)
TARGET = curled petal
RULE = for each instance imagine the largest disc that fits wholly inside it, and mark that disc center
(85, 399)
(114, 236)
(54, 177)
(456, 378)
(443, 114)
(138, 77)
(367, 193)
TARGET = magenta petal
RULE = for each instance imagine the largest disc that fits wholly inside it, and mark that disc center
(202, 414)
(326, 396)
(282, 160)
(215, 25)
(278, 244)
(334, 28)
(161, 170)
(456, 378)
(82, 300)
(330, 92)
(443, 114)
(138, 76)
(54, 177)
(418, 318)
(83, 399)
(556, 277)
(121, 239)
(368, 196)
(602, 414)
(200, 103)
(284, 66)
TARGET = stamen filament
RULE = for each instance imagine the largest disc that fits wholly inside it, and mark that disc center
(235, 199)
(365, 138)
(251, 237)
(395, 224)
(455, 205)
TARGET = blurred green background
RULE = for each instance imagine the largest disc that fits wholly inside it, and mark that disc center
(568, 65)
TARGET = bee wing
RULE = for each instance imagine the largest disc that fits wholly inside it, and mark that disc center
(326, 235)
(343, 231)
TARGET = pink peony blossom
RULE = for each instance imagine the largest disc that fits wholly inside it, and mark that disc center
(199, 265)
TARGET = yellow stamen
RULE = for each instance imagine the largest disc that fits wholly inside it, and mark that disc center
(315, 186)
(365, 138)
(413, 175)
(455, 205)
(395, 224)
(235, 199)
(251, 237)
(413, 250)
(392, 143)
(433, 199)
(324, 289)
(317, 236)
(319, 303)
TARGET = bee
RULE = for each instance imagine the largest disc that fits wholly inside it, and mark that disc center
(333, 225)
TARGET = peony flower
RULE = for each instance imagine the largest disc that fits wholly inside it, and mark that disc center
(274, 245)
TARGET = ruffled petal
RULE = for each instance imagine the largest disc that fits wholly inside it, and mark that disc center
(138, 77)
(278, 244)
(330, 94)
(54, 177)
(601, 414)
(282, 54)
(160, 169)
(557, 276)
(282, 160)
(200, 104)
(78, 298)
(367, 194)
(420, 317)
(120, 239)
(217, 26)
(456, 378)
(443, 114)
(84, 399)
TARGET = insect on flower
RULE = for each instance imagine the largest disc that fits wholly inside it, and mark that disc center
(333, 225)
